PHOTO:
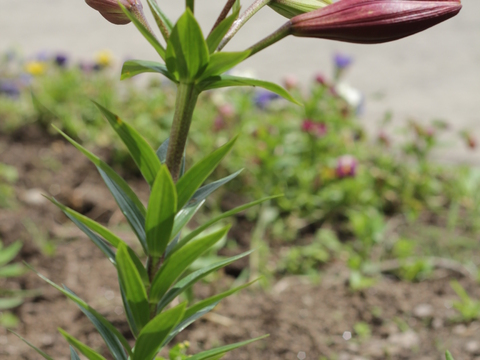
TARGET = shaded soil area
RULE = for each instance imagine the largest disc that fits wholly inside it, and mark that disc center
(400, 320)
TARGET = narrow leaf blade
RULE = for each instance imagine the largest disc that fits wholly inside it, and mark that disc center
(141, 152)
(84, 349)
(153, 334)
(223, 349)
(43, 354)
(132, 284)
(162, 207)
(216, 219)
(197, 174)
(132, 68)
(188, 48)
(115, 341)
(9, 253)
(176, 264)
(117, 179)
(221, 81)
(192, 278)
(109, 236)
(223, 61)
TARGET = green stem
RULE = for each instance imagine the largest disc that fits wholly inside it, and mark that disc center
(237, 25)
(187, 96)
(228, 6)
(278, 35)
(190, 4)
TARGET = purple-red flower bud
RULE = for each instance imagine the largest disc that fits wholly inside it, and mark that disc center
(373, 21)
(111, 11)
(314, 128)
(346, 166)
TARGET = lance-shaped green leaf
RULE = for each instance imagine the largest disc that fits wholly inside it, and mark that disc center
(131, 212)
(177, 263)
(162, 207)
(188, 184)
(145, 32)
(221, 81)
(202, 193)
(198, 310)
(115, 341)
(141, 152)
(448, 355)
(115, 178)
(9, 253)
(213, 300)
(192, 278)
(223, 349)
(154, 333)
(43, 354)
(97, 240)
(132, 68)
(187, 238)
(185, 322)
(187, 54)
(125, 197)
(216, 36)
(101, 230)
(223, 61)
(182, 218)
(73, 354)
(84, 349)
(132, 284)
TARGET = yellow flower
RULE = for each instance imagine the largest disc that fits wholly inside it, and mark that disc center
(36, 68)
(104, 58)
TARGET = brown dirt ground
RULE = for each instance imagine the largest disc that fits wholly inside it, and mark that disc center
(304, 320)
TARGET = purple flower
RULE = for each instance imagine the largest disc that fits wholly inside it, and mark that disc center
(61, 60)
(314, 128)
(9, 88)
(346, 166)
(263, 98)
(342, 61)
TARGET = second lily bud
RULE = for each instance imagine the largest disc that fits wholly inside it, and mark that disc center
(111, 11)
(291, 8)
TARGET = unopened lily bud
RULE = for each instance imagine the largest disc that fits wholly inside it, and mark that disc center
(373, 21)
(291, 8)
(111, 11)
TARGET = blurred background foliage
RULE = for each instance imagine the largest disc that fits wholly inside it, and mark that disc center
(364, 199)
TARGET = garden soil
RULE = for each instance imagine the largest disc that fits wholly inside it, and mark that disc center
(305, 320)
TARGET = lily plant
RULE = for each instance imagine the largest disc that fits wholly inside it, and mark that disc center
(149, 282)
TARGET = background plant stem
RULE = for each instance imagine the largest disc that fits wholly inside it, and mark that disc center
(279, 34)
(190, 4)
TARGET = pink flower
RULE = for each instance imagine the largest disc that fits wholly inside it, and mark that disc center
(111, 11)
(314, 128)
(373, 21)
(346, 166)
